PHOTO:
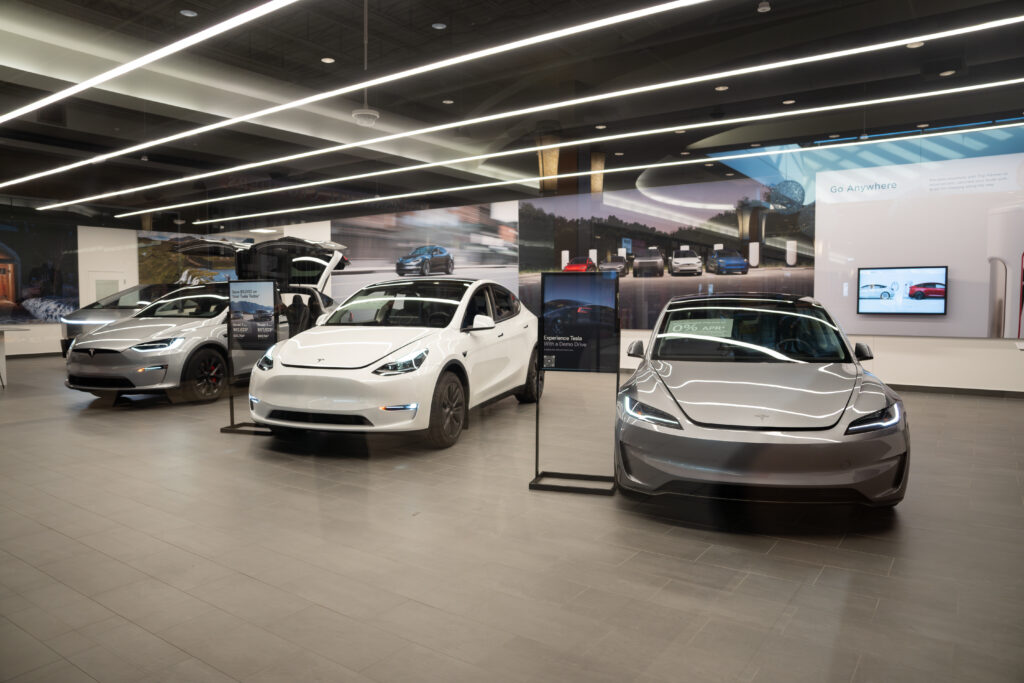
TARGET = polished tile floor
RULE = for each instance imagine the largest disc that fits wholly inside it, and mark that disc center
(138, 543)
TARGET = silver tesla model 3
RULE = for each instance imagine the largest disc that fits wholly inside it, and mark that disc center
(758, 397)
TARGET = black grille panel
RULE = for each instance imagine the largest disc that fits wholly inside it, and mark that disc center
(767, 494)
(90, 352)
(101, 382)
(319, 418)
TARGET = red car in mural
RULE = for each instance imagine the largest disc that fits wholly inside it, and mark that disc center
(928, 290)
(580, 264)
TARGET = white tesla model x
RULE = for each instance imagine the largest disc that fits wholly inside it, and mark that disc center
(401, 355)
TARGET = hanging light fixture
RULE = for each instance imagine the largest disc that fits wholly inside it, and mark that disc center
(366, 117)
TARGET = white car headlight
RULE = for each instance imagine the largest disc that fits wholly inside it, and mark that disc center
(886, 417)
(159, 345)
(645, 413)
(267, 361)
(407, 363)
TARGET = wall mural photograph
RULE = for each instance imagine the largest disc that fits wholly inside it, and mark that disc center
(164, 259)
(38, 272)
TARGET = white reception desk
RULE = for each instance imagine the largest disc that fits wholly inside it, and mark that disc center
(3, 352)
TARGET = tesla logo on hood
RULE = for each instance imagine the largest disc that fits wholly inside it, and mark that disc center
(92, 353)
(762, 416)
(320, 360)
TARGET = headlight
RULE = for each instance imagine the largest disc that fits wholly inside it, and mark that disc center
(406, 363)
(645, 413)
(159, 345)
(886, 417)
(267, 362)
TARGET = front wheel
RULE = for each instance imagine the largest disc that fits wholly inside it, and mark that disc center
(917, 295)
(450, 267)
(885, 296)
(425, 268)
(447, 411)
(204, 378)
(534, 387)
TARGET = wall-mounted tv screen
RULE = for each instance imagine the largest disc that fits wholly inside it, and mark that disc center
(902, 291)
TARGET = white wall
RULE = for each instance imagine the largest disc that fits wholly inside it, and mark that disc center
(101, 251)
(991, 364)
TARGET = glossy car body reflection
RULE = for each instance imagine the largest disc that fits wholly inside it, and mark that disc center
(401, 355)
(759, 397)
(118, 306)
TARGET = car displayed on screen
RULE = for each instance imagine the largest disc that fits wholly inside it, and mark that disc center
(401, 355)
(580, 264)
(426, 260)
(649, 261)
(759, 397)
(108, 309)
(928, 290)
(875, 291)
(686, 261)
(178, 344)
(616, 264)
(724, 261)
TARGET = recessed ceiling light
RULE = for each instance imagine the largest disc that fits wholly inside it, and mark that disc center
(619, 154)
(789, 101)
(755, 144)
(679, 132)
(684, 154)
(730, 174)
(864, 137)
(439, 25)
(600, 126)
(916, 44)
(947, 72)
(190, 13)
(447, 101)
(327, 60)
(764, 6)
(721, 88)
(922, 125)
(267, 230)
(833, 136)
(144, 158)
(709, 164)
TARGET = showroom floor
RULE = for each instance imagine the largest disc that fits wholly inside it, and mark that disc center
(138, 543)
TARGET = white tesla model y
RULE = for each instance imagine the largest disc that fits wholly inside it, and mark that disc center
(401, 355)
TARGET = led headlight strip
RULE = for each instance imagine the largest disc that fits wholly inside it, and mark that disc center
(495, 117)
(434, 66)
(574, 143)
(167, 50)
(606, 171)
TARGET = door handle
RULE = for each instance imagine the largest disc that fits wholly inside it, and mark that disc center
(526, 326)
(500, 335)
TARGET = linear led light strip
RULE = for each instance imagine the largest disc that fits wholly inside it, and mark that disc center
(578, 174)
(573, 143)
(539, 108)
(215, 30)
(451, 61)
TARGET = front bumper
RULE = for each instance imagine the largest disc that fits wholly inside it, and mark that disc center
(404, 268)
(126, 371)
(340, 400)
(732, 268)
(773, 466)
(687, 268)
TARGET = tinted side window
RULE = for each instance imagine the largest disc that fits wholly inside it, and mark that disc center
(478, 305)
(505, 304)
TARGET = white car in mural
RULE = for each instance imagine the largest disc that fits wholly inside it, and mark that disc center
(401, 355)
(875, 291)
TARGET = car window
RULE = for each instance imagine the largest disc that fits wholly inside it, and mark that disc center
(579, 260)
(410, 303)
(504, 303)
(203, 301)
(748, 330)
(479, 304)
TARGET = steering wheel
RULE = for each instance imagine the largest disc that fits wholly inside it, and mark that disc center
(795, 345)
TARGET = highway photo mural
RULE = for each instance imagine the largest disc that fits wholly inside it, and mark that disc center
(38, 271)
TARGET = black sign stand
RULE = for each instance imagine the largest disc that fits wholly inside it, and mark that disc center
(537, 484)
(247, 427)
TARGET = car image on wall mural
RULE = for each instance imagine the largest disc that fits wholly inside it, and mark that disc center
(928, 290)
(875, 291)
(724, 261)
(760, 397)
(426, 260)
(580, 264)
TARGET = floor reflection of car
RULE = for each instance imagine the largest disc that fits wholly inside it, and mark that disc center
(580, 264)
(402, 355)
(648, 262)
(928, 290)
(178, 344)
(762, 397)
(686, 261)
(108, 309)
(426, 260)
(875, 292)
(615, 263)
(727, 261)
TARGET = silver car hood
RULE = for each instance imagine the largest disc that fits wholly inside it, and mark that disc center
(126, 333)
(346, 346)
(761, 395)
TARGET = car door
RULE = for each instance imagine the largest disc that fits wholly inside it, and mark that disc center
(481, 352)
(437, 259)
(515, 340)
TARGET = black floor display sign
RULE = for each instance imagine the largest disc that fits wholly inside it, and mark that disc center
(579, 332)
(252, 329)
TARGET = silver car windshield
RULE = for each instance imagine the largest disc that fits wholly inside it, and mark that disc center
(414, 303)
(201, 301)
(748, 329)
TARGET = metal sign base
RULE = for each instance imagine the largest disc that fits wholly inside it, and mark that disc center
(537, 485)
(247, 428)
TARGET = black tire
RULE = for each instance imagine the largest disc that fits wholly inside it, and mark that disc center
(425, 268)
(885, 295)
(450, 267)
(204, 378)
(532, 390)
(447, 411)
(917, 295)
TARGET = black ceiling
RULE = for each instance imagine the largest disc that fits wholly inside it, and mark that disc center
(279, 56)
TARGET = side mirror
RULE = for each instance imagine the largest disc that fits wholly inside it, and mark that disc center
(481, 322)
(862, 351)
(635, 349)
(320, 320)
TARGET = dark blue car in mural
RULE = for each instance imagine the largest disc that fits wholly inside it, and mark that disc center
(727, 261)
(426, 260)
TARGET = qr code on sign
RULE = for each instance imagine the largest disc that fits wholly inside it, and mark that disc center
(549, 361)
